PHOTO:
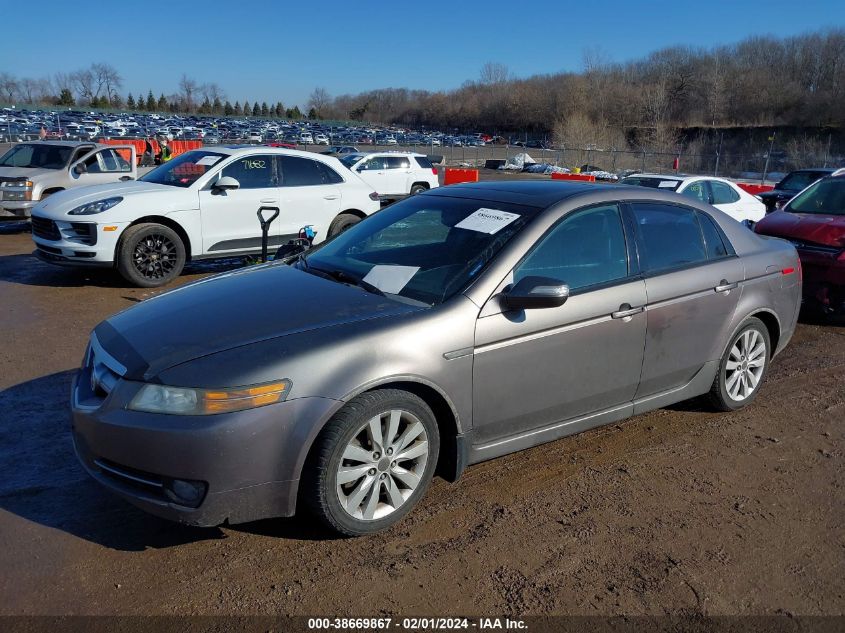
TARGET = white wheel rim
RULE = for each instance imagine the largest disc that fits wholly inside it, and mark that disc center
(382, 465)
(746, 362)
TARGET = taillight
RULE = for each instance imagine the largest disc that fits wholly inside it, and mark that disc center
(434, 170)
(788, 271)
(374, 195)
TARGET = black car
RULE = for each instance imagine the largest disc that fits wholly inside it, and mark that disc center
(791, 185)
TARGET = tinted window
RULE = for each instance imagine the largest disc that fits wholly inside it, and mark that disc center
(722, 193)
(697, 191)
(303, 172)
(330, 176)
(712, 237)
(798, 180)
(652, 182)
(252, 172)
(423, 162)
(397, 162)
(584, 249)
(669, 236)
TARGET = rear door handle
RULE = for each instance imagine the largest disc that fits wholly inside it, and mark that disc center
(625, 310)
(724, 286)
(332, 197)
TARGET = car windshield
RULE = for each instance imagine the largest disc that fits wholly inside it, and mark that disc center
(798, 180)
(424, 249)
(655, 182)
(36, 156)
(185, 169)
(350, 159)
(826, 197)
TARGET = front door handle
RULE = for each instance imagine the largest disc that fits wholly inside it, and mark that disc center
(269, 201)
(724, 286)
(625, 311)
(125, 178)
(332, 197)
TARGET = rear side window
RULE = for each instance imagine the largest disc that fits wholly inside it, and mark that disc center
(301, 172)
(330, 176)
(669, 236)
(722, 193)
(713, 240)
(697, 191)
(397, 162)
(423, 162)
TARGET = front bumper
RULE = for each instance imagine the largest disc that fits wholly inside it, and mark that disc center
(18, 209)
(62, 246)
(248, 462)
(824, 278)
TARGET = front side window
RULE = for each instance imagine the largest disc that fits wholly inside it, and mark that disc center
(252, 172)
(697, 191)
(722, 193)
(586, 248)
(669, 236)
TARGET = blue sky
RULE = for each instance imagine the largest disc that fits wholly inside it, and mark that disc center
(265, 50)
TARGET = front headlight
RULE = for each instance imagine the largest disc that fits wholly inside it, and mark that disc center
(187, 401)
(96, 207)
(16, 190)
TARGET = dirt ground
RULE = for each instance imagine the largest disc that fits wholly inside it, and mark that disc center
(680, 511)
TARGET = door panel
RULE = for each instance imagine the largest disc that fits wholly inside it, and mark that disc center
(308, 197)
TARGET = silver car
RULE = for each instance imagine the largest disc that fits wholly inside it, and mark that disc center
(459, 325)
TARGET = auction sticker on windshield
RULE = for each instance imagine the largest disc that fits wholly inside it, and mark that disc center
(391, 279)
(488, 221)
(208, 160)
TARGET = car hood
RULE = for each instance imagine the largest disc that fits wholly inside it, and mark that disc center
(25, 172)
(777, 194)
(828, 230)
(232, 310)
(158, 197)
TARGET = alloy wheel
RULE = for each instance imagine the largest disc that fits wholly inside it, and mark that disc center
(382, 465)
(155, 256)
(745, 365)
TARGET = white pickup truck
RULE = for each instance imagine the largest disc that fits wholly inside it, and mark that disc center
(30, 172)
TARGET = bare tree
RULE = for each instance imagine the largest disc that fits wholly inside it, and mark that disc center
(106, 78)
(84, 84)
(8, 87)
(187, 91)
(494, 73)
(319, 100)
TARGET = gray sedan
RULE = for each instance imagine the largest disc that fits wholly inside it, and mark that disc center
(459, 325)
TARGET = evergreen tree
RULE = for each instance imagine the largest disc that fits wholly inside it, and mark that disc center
(265, 111)
(247, 110)
(312, 113)
(256, 109)
(216, 107)
(280, 110)
(293, 113)
(238, 111)
(151, 102)
(130, 102)
(228, 110)
(162, 103)
(116, 101)
(66, 98)
(205, 106)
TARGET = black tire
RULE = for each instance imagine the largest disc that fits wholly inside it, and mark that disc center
(319, 490)
(342, 222)
(418, 188)
(150, 255)
(720, 393)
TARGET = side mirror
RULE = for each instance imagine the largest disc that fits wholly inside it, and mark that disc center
(224, 184)
(536, 292)
(80, 169)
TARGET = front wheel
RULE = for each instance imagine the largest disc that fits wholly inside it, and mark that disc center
(372, 462)
(342, 222)
(150, 255)
(742, 368)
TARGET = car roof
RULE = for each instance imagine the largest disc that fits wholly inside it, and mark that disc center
(59, 143)
(530, 193)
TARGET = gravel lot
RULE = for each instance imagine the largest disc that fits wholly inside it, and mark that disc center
(680, 511)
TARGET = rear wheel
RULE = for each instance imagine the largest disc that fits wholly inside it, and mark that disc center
(150, 255)
(742, 367)
(342, 222)
(418, 188)
(372, 462)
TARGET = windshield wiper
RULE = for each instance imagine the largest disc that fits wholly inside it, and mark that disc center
(344, 278)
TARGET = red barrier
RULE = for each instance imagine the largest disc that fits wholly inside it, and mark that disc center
(754, 189)
(581, 177)
(176, 147)
(454, 176)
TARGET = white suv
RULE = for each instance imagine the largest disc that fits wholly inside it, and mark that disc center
(202, 204)
(394, 174)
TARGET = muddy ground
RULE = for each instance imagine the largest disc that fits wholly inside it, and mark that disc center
(680, 511)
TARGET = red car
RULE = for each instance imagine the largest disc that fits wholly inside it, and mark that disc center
(814, 221)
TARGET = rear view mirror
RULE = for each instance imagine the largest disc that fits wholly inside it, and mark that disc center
(536, 292)
(224, 184)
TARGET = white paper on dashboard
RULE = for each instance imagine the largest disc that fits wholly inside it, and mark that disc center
(208, 160)
(389, 278)
(667, 183)
(487, 221)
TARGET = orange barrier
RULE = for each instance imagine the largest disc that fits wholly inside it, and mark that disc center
(581, 177)
(455, 176)
(754, 189)
(176, 147)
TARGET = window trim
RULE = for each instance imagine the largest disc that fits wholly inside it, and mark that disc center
(632, 263)
(647, 274)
